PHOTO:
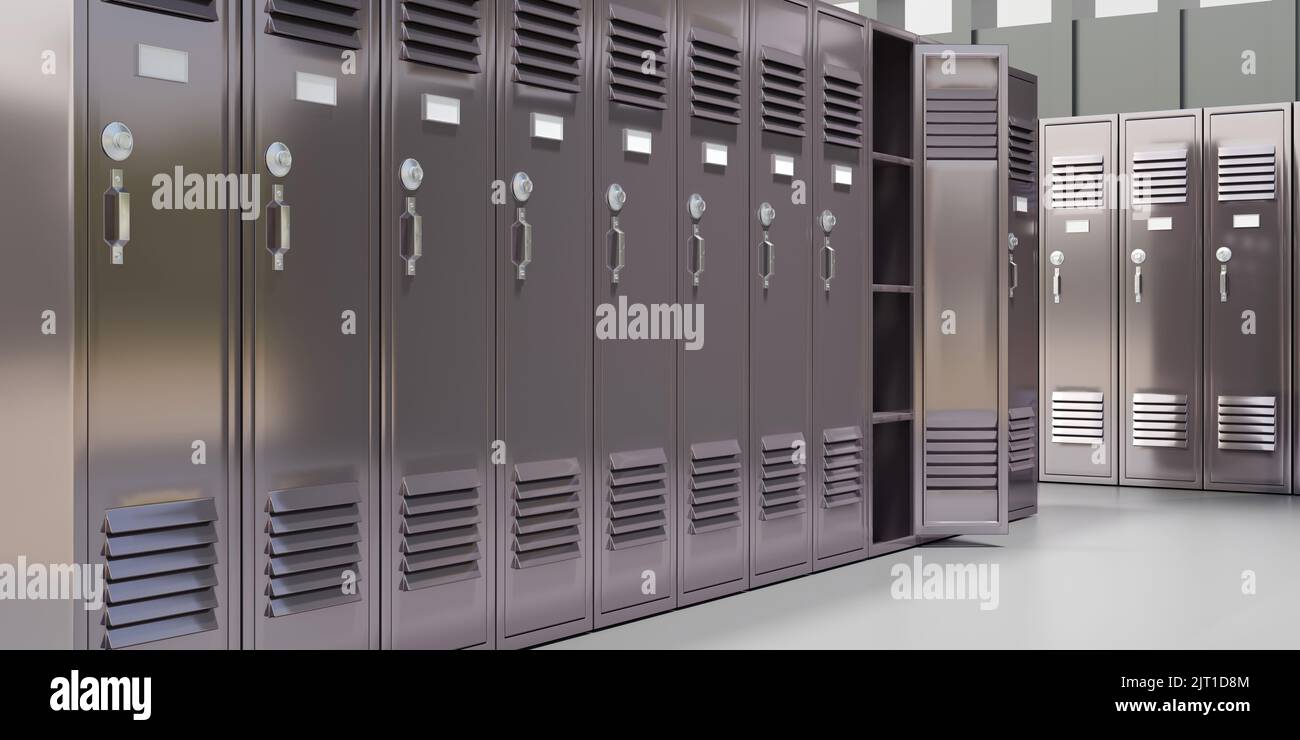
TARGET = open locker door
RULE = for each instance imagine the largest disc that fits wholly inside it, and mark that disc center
(961, 115)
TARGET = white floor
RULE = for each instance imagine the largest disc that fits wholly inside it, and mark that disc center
(1097, 568)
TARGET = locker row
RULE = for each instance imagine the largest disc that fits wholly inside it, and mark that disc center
(318, 363)
(1168, 319)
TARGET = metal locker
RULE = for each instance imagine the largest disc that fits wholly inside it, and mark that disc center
(545, 321)
(780, 290)
(1160, 299)
(961, 117)
(438, 482)
(634, 274)
(1080, 306)
(310, 551)
(839, 289)
(1022, 298)
(712, 244)
(1247, 297)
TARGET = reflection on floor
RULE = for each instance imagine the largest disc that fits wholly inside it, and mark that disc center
(1097, 568)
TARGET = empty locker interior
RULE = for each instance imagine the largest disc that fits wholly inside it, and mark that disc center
(1160, 313)
(1023, 415)
(1080, 307)
(635, 163)
(1247, 298)
(438, 486)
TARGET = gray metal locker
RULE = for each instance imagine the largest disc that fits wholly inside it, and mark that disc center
(1160, 299)
(310, 552)
(635, 269)
(780, 290)
(544, 321)
(1248, 298)
(123, 108)
(438, 482)
(1080, 306)
(961, 118)
(712, 244)
(839, 289)
(1022, 299)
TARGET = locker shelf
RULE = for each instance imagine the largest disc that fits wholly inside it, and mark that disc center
(891, 482)
(891, 417)
(892, 92)
(893, 159)
(879, 288)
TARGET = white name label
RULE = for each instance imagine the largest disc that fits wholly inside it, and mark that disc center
(637, 142)
(548, 127)
(438, 109)
(715, 154)
(1077, 227)
(842, 175)
(1160, 224)
(1022, 204)
(782, 166)
(1245, 221)
(317, 89)
(162, 64)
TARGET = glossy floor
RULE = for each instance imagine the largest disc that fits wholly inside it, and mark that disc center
(1097, 568)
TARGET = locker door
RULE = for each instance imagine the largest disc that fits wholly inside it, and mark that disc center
(545, 320)
(712, 244)
(159, 321)
(308, 273)
(1248, 298)
(1160, 288)
(962, 114)
(1022, 298)
(438, 164)
(1080, 305)
(780, 296)
(635, 150)
(839, 290)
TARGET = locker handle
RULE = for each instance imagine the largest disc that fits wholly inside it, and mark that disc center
(1015, 277)
(768, 261)
(828, 264)
(412, 230)
(616, 242)
(1223, 283)
(695, 207)
(1137, 284)
(521, 238)
(117, 217)
(1056, 286)
(278, 228)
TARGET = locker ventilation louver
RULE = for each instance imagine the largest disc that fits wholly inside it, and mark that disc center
(315, 548)
(443, 33)
(1078, 418)
(1023, 434)
(1160, 178)
(961, 451)
(1023, 149)
(842, 107)
(1078, 182)
(330, 22)
(548, 44)
(637, 513)
(161, 572)
(1247, 173)
(961, 124)
(1159, 420)
(715, 77)
(1248, 423)
(715, 503)
(546, 513)
(201, 10)
(633, 34)
(442, 529)
(784, 93)
(842, 465)
(782, 491)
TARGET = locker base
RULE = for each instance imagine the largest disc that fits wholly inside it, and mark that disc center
(633, 613)
(776, 576)
(836, 561)
(543, 636)
(699, 596)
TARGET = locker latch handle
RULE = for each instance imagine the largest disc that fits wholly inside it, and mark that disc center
(1224, 256)
(117, 217)
(616, 239)
(521, 233)
(1058, 259)
(1012, 242)
(1139, 258)
(767, 250)
(696, 208)
(278, 228)
(412, 231)
(828, 223)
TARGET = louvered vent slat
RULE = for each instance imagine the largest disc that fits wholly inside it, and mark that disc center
(546, 516)
(442, 529)
(961, 124)
(1247, 173)
(1078, 417)
(637, 499)
(1078, 182)
(1159, 420)
(200, 10)
(1023, 150)
(842, 108)
(331, 22)
(1248, 423)
(783, 488)
(315, 544)
(443, 33)
(161, 572)
(842, 467)
(715, 77)
(784, 93)
(961, 451)
(632, 35)
(1160, 178)
(1023, 436)
(547, 43)
(715, 503)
